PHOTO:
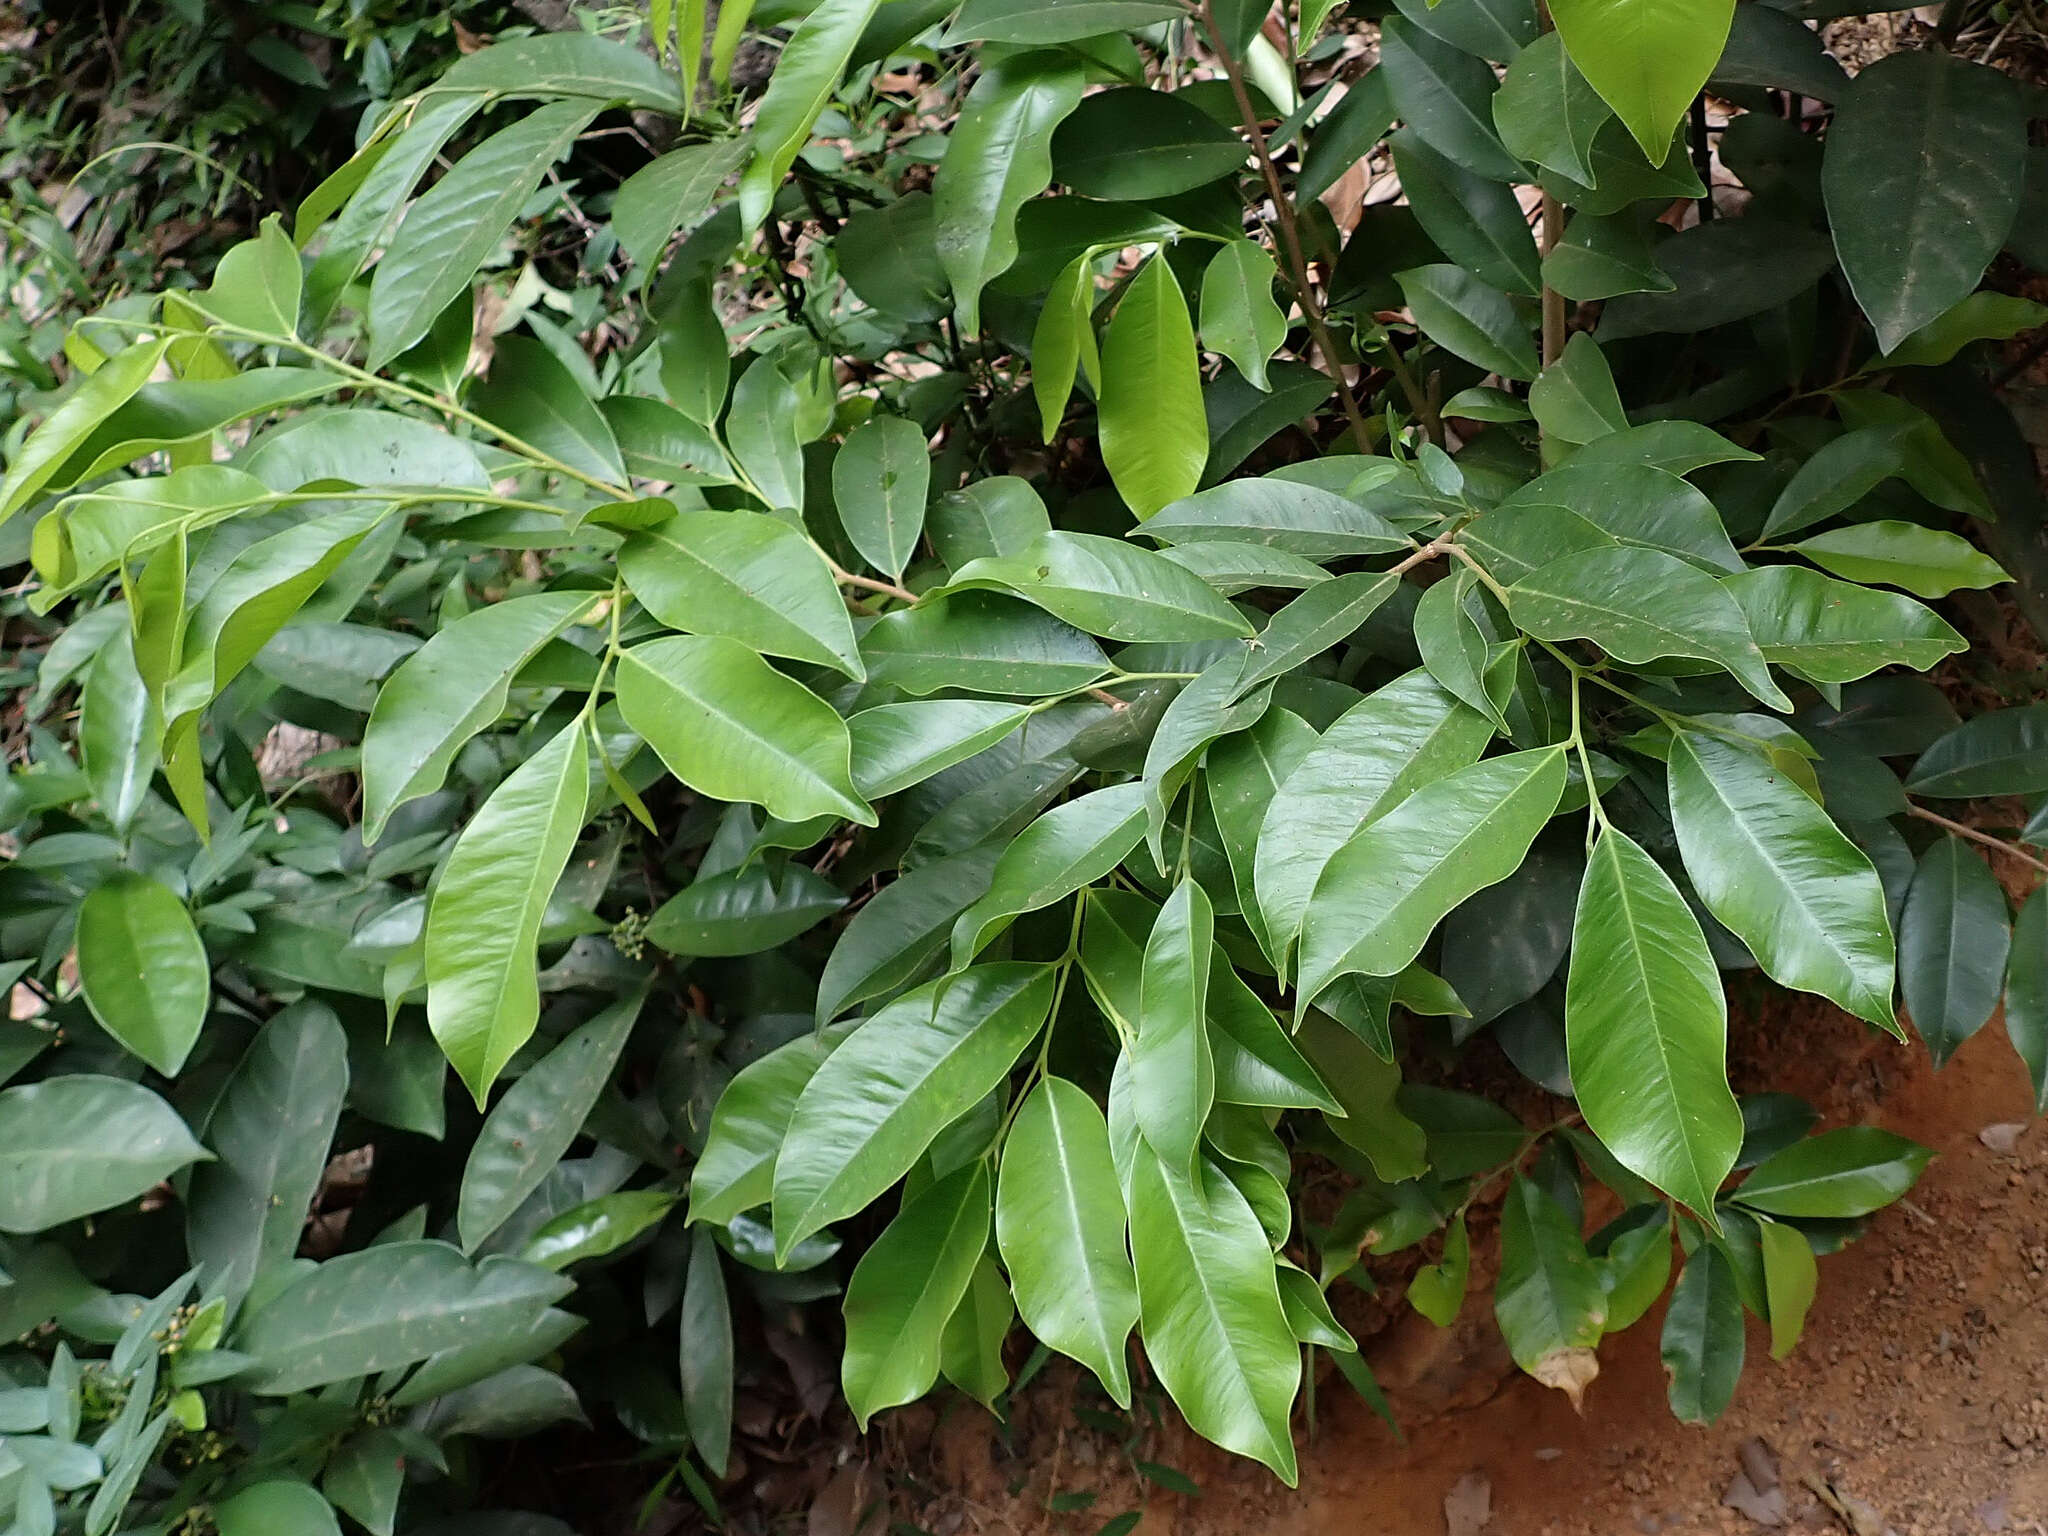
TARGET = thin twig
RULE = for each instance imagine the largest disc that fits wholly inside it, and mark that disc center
(868, 584)
(1975, 836)
(1290, 237)
(1553, 301)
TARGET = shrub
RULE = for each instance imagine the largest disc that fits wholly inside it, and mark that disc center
(1027, 701)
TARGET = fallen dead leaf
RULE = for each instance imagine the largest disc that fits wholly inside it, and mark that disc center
(1468, 1507)
(2003, 1139)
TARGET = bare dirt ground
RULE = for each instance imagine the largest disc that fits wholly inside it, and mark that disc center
(1917, 1404)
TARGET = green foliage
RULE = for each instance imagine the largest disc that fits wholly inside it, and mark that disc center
(981, 725)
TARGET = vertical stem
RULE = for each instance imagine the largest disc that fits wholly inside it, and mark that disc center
(1553, 301)
(1702, 157)
(1290, 234)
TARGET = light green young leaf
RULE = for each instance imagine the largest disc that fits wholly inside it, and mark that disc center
(1062, 341)
(1770, 864)
(998, 156)
(484, 921)
(730, 726)
(1383, 893)
(451, 230)
(805, 77)
(143, 968)
(449, 689)
(747, 576)
(1438, 1290)
(1060, 1227)
(1240, 318)
(906, 1286)
(1646, 58)
(1790, 1279)
(1646, 1027)
(1155, 434)
(91, 401)
(881, 479)
(869, 1112)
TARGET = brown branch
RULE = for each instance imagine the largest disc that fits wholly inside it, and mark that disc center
(1975, 836)
(1290, 239)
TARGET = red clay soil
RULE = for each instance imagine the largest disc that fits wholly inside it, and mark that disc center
(1917, 1402)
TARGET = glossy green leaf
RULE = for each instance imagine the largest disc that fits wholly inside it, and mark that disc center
(444, 693)
(182, 413)
(1928, 562)
(1768, 862)
(1346, 134)
(1037, 22)
(998, 155)
(485, 918)
(730, 726)
(1574, 399)
(2026, 993)
(531, 394)
(971, 1348)
(1838, 476)
(1383, 893)
(1790, 1279)
(1240, 318)
(1647, 1028)
(270, 1132)
(451, 230)
(1546, 113)
(1060, 1226)
(869, 1112)
(1243, 773)
(1602, 258)
(1173, 1074)
(747, 576)
(1982, 316)
(1408, 734)
(386, 1306)
(1446, 96)
(671, 192)
(903, 928)
(1492, 29)
(1549, 1300)
(1702, 1344)
(1473, 219)
(705, 1354)
(1470, 318)
(1635, 1267)
(96, 397)
(743, 911)
(1836, 631)
(1954, 940)
(1209, 1306)
(1155, 435)
(1582, 506)
(2000, 752)
(568, 63)
(889, 256)
(1924, 169)
(1132, 144)
(1070, 846)
(906, 1286)
(1107, 587)
(898, 745)
(996, 516)
(983, 641)
(280, 1508)
(1646, 58)
(1721, 272)
(1061, 342)
(805, 76)
(1838, 1174)
(881, 479)
(143, 968)
(536, 1119)
(1639, 605)
(1366, 1083)
(1299, 519)
(1456, 652)
(736, 1170)
(79, 1143)
(596, 1227)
